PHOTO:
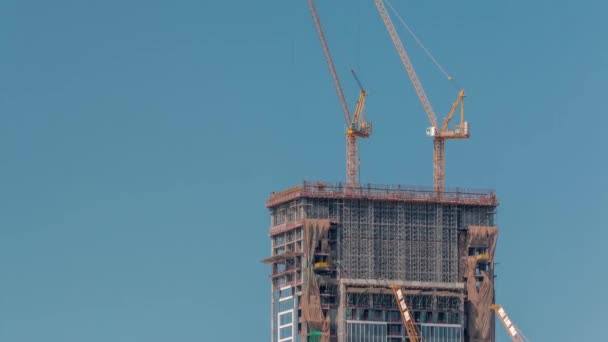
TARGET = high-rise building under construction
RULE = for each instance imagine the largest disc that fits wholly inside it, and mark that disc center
(336, 249)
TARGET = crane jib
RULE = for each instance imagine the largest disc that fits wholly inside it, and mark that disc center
(330, 61)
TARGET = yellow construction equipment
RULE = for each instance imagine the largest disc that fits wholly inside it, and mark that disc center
(406, 316)
(512, 330)
(321, 264)
(439, 134)
(357, 126)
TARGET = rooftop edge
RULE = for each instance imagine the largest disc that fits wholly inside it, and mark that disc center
(319, 189)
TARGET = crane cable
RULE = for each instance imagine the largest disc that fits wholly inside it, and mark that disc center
(443, 71)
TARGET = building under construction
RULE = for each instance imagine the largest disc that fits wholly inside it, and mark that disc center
(359, 263)
(337, 249)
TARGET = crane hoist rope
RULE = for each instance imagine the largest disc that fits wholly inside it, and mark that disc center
(439, 66)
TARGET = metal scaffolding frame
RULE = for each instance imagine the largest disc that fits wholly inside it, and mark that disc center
(380, 234)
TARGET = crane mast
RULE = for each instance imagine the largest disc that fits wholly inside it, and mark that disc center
(439, 135)
(357, 126)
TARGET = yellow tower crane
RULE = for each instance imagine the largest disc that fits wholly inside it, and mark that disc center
(439, 134)
(406, 316)
(512, 330)
(357, 126)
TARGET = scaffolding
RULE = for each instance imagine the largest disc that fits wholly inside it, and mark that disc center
(377, 235)
(319, 189)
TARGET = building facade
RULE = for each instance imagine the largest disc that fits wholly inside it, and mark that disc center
(335, 251)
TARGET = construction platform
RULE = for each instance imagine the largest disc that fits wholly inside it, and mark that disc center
(336, 249)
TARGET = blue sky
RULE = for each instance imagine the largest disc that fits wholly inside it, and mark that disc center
(140, 139)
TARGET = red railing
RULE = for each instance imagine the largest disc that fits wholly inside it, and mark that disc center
(383, 192)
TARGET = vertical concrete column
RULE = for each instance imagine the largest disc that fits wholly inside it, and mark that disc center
(341, 319)
(272, 313)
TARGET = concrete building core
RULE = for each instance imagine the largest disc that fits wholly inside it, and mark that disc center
(336, 250)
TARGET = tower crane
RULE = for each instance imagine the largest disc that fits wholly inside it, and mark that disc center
(439, 134)
(512, 330)
(358, 127)
(406, 316)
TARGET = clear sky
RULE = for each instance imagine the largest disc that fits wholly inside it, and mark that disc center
(139, 141)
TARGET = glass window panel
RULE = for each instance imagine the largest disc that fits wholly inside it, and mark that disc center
(366, 332)
(286, 293)
(285, 332)
(286, 318)
(286, 305)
